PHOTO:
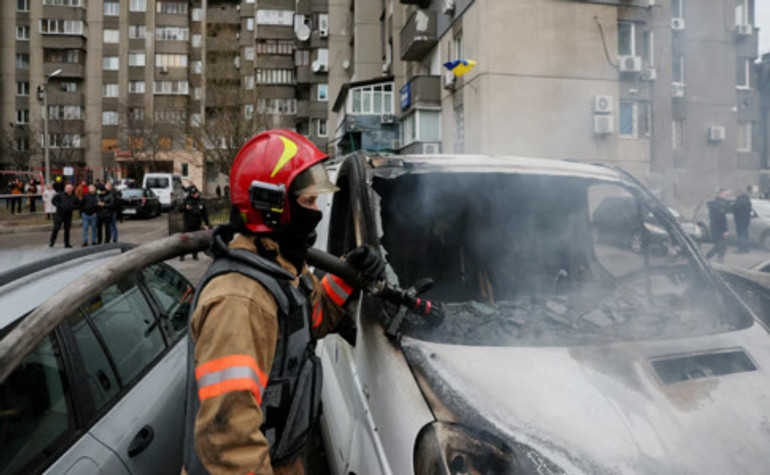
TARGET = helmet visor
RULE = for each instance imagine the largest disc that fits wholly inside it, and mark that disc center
(313, 181)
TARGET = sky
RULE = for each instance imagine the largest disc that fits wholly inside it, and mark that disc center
(762, 20)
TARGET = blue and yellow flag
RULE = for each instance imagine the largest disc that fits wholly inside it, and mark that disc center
(460, 66)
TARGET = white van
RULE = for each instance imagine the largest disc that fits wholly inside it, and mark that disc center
(167, 186)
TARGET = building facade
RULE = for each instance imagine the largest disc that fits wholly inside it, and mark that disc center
(662, 88)
(161, 85)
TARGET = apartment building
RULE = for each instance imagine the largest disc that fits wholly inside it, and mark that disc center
(161, 85)
(661, 88)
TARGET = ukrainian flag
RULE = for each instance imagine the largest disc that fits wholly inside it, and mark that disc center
(460, 66)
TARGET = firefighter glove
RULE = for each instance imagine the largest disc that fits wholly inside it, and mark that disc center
(367, 262)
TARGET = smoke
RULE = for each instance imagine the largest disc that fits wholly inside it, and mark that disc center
(518, 259)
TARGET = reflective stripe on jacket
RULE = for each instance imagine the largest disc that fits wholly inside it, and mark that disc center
(239, 340)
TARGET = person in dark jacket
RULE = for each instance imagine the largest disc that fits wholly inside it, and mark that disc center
(65, 202)
(89, 207)
(106, 204)
(742, 216)
(195, 214)
(718, 208)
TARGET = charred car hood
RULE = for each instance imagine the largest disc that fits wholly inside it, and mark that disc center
(700, 405)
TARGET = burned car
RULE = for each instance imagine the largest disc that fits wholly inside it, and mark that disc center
(557, 352)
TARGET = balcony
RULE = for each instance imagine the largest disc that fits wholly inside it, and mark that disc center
(303, 109)
(222, 43)
(421, 91)
(223, 14)
(419, 35)
(68, 70)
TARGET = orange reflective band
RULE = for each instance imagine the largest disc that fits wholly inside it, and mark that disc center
(230, 385)
(230, 373)
(289, 152)
(317, 315)
(337, 289)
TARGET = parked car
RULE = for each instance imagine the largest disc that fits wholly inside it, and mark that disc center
(558, 353)
(620, 221)
(104, 392)
(123, 183)
(759, 226)
(167, 186)
(141, 203)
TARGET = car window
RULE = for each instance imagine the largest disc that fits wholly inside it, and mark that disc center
(35, 413)
(157, 182)
(101, 376)
(546, 260)
(126, 324)
(173, 291)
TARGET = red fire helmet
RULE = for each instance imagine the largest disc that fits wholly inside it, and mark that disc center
(271, 159)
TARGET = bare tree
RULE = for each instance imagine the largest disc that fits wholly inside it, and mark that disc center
(19, 147)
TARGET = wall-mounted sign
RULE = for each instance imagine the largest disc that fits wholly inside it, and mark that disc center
(406, 96)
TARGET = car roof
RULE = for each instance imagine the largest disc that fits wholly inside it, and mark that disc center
(32, 276)
(498, 164)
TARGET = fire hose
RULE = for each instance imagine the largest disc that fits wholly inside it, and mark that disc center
(406, 299)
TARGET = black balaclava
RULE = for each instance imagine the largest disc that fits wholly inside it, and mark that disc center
(299, 236)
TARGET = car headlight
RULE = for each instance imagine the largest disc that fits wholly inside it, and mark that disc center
(444, 449)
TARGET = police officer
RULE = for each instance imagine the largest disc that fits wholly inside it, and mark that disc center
(253, 378)
(194, 212)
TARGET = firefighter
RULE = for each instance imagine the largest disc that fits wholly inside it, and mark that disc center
(253, 378)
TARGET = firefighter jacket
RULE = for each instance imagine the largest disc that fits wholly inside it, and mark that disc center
(243, 331)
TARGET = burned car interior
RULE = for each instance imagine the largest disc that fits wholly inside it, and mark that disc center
(524, 259)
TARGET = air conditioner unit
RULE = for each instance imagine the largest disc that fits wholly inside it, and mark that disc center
(164, 69)
(387, 118)
(395, 145)
(318, 67)
(448, 7)
(678, 89)
(323, 32)
(677, 24)
(604, 124)
(603, 104)
(651, 74)
(744, 30)
(716, 134)
(630, 64)
(449, 80)
(431, 149)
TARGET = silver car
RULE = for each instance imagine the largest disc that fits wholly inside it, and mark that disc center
(759, 226)
(557, 353)
(104, 392)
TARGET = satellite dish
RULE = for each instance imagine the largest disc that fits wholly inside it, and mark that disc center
(346, 64)
(302, 31)
(316, 66)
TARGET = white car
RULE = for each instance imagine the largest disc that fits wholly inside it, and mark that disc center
(558, 353)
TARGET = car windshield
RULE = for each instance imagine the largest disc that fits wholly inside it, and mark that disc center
(157, 182)
(546, 260)
(761, 207)
(132, 192)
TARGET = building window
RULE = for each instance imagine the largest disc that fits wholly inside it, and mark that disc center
(64, 140)
(742, 16)
(743, 74)
(626, 43)
(110, 63)
(22, 5)
(172, 33)
(172, 8)
(275, 76)
(677, 69)
(649, 44)
(323, 24)
(321, 127)
(22, 116)
(68, 86)
(195, 119)
(137, 5)
(249, 24)
(22, 32)
(109, 118)
(111, 8)
(323, 92)
(277, 106)
(371, 99)
(136, 87)
(677, 134)
(171, 87)
(422, 126)
(197, 67)
(197, 14)
(22, 61)
(248, 53)
(71, 56)
(59, 112)
(110, 90)
(283, 47)
(136, 114)
(22, 88)
(136, 59)
(137, 32)
(677, 8)
(744, 137)
(61, 27)
(63, 3)
(21, 145)
(302, 57)
(171, 60)
(628, 120)
(248, 82)
(196, 40)
(111, 36)
(185, 170)
(248, 111)
(197, 93)
(275, 17)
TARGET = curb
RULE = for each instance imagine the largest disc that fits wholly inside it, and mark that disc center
(31, 228)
